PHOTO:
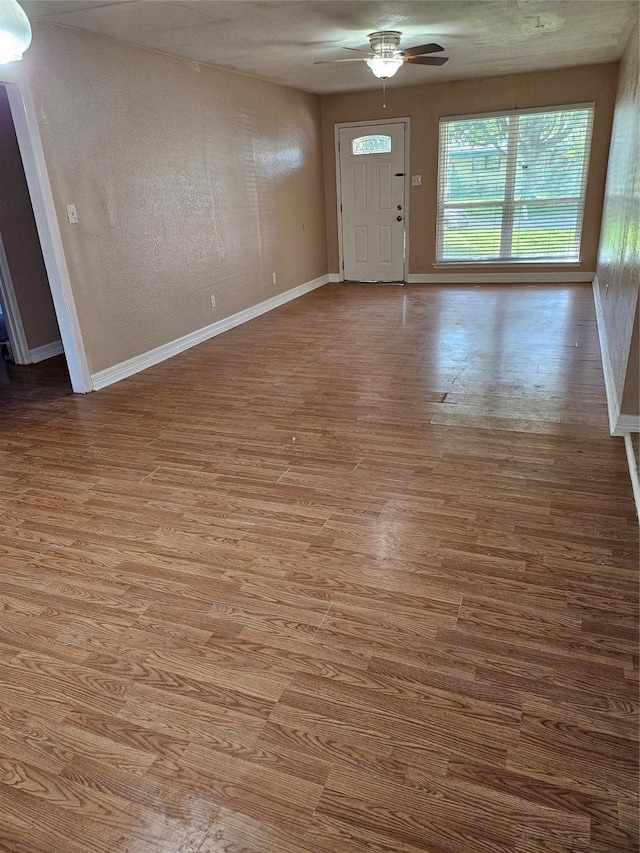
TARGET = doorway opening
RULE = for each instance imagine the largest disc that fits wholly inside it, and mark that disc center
(29, 329)
(35, 292)
(372, 188)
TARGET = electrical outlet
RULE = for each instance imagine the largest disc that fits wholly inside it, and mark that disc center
(274, 278)
(416, 180)
(213, 300)
(72, 214)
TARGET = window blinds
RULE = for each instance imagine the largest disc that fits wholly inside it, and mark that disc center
(511, 185)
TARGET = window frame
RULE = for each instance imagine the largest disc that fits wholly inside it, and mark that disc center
(508, 203)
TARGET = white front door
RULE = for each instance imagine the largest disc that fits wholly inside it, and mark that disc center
(371, 177)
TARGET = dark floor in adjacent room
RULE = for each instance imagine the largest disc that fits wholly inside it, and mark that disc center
(360, 575)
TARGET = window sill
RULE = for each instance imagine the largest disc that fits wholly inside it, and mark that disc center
(445, 264)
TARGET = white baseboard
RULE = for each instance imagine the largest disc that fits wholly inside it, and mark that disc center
(633, 472)
(494, 278)
(501, 278)
(47, 351)
(147, 359)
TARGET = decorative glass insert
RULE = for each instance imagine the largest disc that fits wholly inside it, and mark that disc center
(371, 145)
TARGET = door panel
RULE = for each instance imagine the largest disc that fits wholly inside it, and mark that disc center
(359, 186)
(372, 186)
(384, 186)
(385, 253)
(360, 240)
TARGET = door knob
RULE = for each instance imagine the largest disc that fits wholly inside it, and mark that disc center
(399, 218)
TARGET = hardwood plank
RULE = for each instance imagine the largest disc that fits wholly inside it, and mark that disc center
(245, 786)
(407, 816)
(599, 760)
(233, 831)
(374, 590)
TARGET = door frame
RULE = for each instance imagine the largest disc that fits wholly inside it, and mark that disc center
(407, 184)
(25, 122)
(11, 312)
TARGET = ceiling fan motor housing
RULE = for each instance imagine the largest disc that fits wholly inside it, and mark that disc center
(385, 43)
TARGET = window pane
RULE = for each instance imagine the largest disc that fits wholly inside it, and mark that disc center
(371, 145)
(550, 158)
(548, 230)
(476, 160)
(472, 231)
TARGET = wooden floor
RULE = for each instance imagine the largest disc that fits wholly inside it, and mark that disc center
(358, 576)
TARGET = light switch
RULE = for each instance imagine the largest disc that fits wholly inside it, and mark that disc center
(72, 214)
(416, 180)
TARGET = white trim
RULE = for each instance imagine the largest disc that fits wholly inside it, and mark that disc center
(613, 404)
(336, 148)
(508, 264)
(46, 351)
(147, 359)
(28, 134)
(501, 278)
(406, 120)
(633, 472)
(11, 311)
(334, 277)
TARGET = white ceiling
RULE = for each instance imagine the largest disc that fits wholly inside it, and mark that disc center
(280, 41)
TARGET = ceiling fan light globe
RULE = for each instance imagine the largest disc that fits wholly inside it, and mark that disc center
(15, 32)
(384, 67)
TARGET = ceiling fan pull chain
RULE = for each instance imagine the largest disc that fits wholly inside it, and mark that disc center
(384, 94)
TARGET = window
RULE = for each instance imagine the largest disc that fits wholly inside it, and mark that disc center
(511, 185)
(371, 145)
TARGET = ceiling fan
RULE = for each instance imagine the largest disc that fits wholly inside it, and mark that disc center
(385, 57)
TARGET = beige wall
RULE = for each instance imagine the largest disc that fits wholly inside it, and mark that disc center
(21, 241)
(188, 181)
(426, 104)
(618, 268)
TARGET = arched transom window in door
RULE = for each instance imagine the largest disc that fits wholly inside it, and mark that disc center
(374, 144)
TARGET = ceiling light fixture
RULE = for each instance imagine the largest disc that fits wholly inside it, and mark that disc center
(15, 32)
(384, 67)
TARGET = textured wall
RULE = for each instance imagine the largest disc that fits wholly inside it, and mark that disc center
(188, 181)
(21, 241)
(619, 253)
(426, 104)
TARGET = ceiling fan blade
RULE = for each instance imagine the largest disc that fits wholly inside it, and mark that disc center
(368, 52)
(427, 60)
(421, 49)
(335, 61)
